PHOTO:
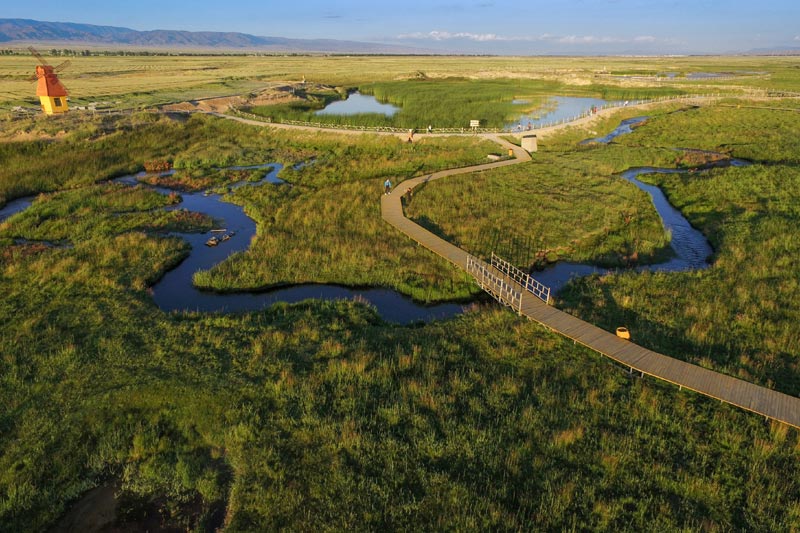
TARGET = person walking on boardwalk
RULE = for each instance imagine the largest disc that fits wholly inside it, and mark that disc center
(387, 186)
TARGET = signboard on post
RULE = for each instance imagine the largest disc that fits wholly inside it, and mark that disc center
(474, 124)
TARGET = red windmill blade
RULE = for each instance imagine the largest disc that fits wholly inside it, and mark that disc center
(62, 66)
(35, 53)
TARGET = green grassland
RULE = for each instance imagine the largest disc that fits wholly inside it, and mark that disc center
(319, 415)
(526, 213)
(737, 317)
(140, 81)
(740, 316)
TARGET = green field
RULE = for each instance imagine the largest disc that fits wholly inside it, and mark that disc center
(320, 415)
(141, 81)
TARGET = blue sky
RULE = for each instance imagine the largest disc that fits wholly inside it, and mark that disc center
(471, 26)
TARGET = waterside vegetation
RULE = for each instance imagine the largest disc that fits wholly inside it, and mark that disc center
(320, 415)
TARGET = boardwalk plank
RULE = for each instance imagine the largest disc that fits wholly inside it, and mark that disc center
(728, 389)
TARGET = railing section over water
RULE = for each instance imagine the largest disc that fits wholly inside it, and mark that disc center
(525, 280)
(503, 291)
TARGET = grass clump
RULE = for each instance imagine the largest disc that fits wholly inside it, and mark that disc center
(554, 208)
(325, 226)
(738, 316)
(100, 211)
(321, 416)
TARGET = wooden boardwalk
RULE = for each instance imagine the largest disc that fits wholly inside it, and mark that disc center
(766, 402)
(761, 400)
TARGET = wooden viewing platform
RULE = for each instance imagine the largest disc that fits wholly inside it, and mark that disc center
(769, 403)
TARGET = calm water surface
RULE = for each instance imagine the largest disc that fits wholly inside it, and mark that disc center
(358, 103)
(566, 107)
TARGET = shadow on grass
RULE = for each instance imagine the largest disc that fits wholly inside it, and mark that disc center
(580, 299)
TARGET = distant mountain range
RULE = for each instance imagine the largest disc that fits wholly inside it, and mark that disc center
(24, 31)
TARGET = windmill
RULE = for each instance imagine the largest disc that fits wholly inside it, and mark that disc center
(50, 91)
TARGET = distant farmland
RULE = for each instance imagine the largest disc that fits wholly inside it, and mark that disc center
(140, 81)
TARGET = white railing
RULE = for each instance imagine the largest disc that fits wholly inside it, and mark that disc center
(525, 280)
(392, 129)
(500, 289)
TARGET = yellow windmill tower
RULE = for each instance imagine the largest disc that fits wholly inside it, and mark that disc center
(51, 92)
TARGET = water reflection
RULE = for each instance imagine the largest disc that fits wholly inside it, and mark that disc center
(358, 103)
(559, 109)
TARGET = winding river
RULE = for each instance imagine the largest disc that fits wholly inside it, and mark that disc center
(175, 291)
(690, 246)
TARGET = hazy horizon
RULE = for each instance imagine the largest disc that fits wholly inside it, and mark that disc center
(582, 27)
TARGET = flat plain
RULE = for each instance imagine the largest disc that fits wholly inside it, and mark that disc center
(321, 415)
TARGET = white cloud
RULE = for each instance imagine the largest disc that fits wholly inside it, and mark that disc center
(587, 39)
(446, 36)
(797, 37)
(545, 37)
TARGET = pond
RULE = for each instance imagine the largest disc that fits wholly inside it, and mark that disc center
(356, 104)
(707, 75)
(557, 109)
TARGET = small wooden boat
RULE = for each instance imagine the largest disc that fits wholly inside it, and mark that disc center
(225, 237)
(213, 241)
(219, 230)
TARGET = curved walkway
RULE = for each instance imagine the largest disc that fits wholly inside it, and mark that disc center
(539, 132)
(766, 402)
(769, 403)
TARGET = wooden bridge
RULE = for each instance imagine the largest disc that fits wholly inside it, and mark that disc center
(511, 291)
(512, 288)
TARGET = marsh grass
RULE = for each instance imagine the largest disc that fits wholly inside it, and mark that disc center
(452, 102)
(738, 316)
(554, 208)
(101, 210)
(320, 416)
(320, 405)
(325, 226)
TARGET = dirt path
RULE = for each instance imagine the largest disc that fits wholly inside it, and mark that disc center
(539, 132)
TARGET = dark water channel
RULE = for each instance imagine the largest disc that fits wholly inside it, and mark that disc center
(626, 126)
(691, 248)
(176, 292)
(15, 206)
